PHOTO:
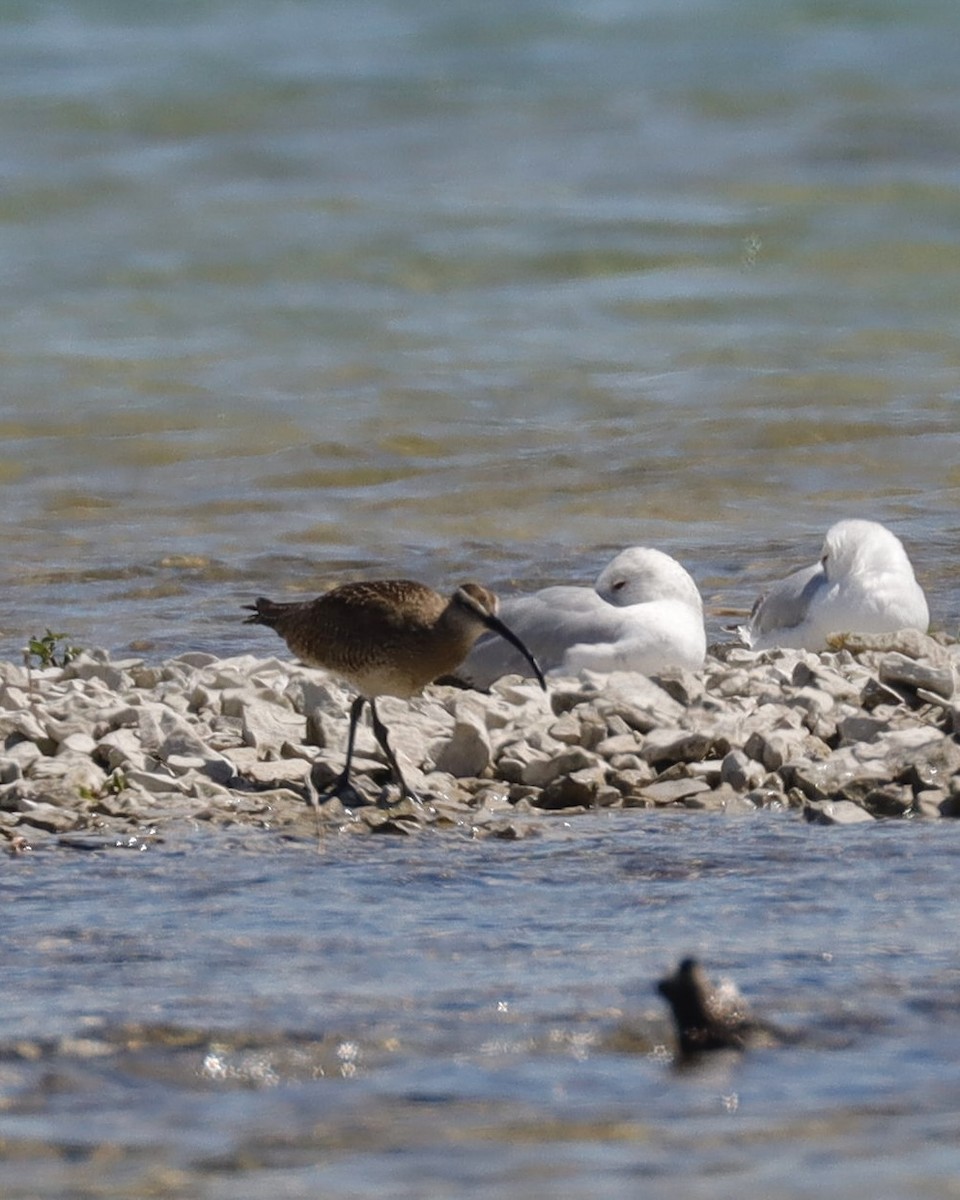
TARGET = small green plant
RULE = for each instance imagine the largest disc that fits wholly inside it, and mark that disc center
(48, 652)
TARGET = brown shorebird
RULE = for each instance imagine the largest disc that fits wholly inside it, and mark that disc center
(390, 637)
(709, 1017)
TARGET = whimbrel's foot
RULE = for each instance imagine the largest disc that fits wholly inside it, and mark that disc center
(320, 789)
(392, 796)
(401, 801)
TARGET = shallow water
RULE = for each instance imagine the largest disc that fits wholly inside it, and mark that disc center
(440, 1016)
(300, 293)
(307, 291)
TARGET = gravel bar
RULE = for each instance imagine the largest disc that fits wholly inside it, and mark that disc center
(111, 752)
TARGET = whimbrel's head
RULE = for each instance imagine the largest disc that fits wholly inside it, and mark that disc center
(479, 604)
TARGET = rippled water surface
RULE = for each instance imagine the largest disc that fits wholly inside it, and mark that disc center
(444, 1017)
(303, 291)
(309, 290)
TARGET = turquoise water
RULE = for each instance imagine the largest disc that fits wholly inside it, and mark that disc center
(300, 292)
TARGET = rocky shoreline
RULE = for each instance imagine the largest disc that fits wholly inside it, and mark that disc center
(123, 752)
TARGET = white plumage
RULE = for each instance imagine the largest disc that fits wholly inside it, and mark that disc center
(863, 583)
(643, 614)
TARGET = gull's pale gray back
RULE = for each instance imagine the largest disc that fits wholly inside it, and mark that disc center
(787, 603)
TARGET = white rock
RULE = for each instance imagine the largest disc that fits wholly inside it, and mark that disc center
(542, 772)
(266, 726)
(196, 659)
(215, 766)
(837, 812)
(467, 753)
(897, 668)
(671, 745)
(23, 753)
(74, 772)
(740, 771)
(154, 782)
(77, 743)
(51, 817)
(86, 667)
(121, 748)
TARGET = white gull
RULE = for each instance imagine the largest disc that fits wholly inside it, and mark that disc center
(643, 614)
(863, 583)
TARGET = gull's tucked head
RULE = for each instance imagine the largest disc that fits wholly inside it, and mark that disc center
(641, 574)
(855, 547)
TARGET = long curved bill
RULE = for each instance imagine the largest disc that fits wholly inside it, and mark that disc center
(504, 631)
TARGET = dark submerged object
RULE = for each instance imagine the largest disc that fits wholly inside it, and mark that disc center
(385, 638)
(710, 1018)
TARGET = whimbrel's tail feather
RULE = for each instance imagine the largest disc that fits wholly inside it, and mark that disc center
(265, 612)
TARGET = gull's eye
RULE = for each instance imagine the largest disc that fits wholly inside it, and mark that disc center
(619, 585)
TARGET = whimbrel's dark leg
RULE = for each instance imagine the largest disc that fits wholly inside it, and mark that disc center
(380, 733)
(341, 786)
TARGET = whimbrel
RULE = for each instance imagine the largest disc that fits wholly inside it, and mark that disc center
(385, 638)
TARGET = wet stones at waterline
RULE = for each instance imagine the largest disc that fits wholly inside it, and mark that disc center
(121, 749)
